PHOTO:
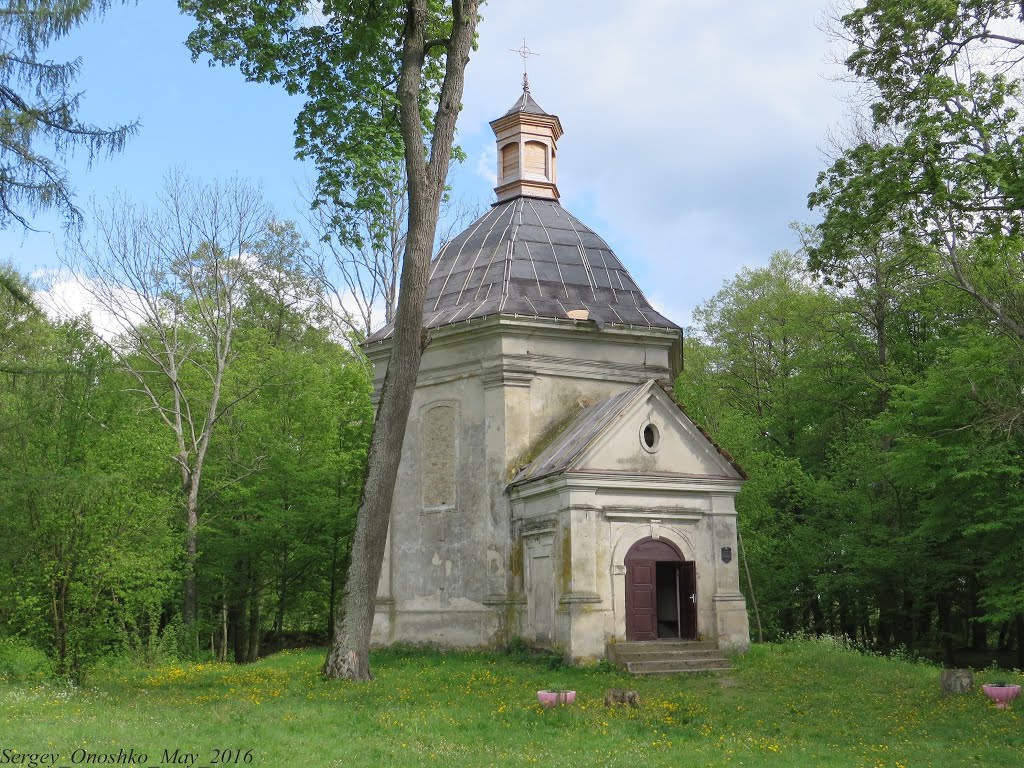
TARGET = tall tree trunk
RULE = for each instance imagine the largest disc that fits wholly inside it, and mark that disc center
(252, 651)
(332, 597)
(59, 624)
(846, 620)
(944, 605)
(236, 615)
(817, 619)
(279, 618)
(190, 609)
(223, 655)
(978, 627)
(349, 657)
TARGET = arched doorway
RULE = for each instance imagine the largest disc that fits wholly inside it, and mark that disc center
(661, 592)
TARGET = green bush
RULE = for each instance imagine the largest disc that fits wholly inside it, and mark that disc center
(20, 660)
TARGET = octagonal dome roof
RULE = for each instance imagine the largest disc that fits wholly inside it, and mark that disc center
(529, 257)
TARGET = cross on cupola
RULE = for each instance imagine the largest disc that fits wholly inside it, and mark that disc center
(525, 52)
(527, 138)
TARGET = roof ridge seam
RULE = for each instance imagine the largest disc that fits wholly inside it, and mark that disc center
(554, 255)
(583, 257)
(461, 247)
(608, 272)
(469, 272)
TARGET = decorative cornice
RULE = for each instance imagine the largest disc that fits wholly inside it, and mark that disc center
(482, 327)
(729, 597)
(512, 119)
(619, 482)
(517, 364)
(678, 514)
(508, 376)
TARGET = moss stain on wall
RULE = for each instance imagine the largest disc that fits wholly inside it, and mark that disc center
(566, 564)
(572, 404)
(515, 564)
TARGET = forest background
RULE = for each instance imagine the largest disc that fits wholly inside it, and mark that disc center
(871, 383)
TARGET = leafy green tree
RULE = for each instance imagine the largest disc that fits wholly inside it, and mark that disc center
(939, 184)
(763, 334)
(947, 84)
(758, 376)
(38, 108)
(382, 81)
(172, 283)
(878, 418)
(277, 534)
(96, 552)
(10, 285)
(960, 459)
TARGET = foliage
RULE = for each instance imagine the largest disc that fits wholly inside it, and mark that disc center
(941, 171)
(878, 419)
(298, 448)
(38, 108)
(89, 487)
(78, 493)
(931, 197)
(344, 57)
(173, 282)
(799, 703)
(20, 661)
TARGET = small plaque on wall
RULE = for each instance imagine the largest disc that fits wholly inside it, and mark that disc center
(726, 554)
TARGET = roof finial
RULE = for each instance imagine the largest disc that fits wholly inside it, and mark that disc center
(524, 51)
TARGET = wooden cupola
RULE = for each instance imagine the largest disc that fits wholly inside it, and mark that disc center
(527, 138)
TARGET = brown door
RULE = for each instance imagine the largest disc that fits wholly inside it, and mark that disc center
(641, 610)
(688, 601)
(642, 588)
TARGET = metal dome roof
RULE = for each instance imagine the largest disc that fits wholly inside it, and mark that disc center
(530, 257)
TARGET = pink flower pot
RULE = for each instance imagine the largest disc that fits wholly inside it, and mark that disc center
(1001, 694)
(556, 698)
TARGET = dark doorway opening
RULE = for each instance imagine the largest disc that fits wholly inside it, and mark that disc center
(661, 600)
(669, 599)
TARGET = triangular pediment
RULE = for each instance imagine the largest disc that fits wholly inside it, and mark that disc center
(641, 431)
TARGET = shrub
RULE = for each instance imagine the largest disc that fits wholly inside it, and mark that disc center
(20, 660)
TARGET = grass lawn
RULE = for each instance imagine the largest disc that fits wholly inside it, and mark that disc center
(801, 703)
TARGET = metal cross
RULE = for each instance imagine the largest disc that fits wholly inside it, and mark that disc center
(524, 51)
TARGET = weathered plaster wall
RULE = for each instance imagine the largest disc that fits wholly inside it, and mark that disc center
(453, 573)
(590, 606)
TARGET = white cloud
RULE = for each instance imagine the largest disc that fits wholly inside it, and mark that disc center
(487, 163)
(66, 295)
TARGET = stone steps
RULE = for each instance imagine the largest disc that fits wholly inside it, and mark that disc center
(667, 657)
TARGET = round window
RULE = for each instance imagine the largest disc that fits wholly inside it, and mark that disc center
(650, 437)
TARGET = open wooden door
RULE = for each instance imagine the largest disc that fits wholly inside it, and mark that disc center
(641, 610)
(687, 601)
(642, 588)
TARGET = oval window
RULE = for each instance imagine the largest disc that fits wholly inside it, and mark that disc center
(650, 437)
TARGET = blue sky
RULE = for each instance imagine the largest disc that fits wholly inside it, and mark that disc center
(692, 133)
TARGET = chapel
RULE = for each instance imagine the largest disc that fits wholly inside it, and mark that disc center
(550, 487)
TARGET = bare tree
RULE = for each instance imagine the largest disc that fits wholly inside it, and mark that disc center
(359, 277)
(169, 283)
